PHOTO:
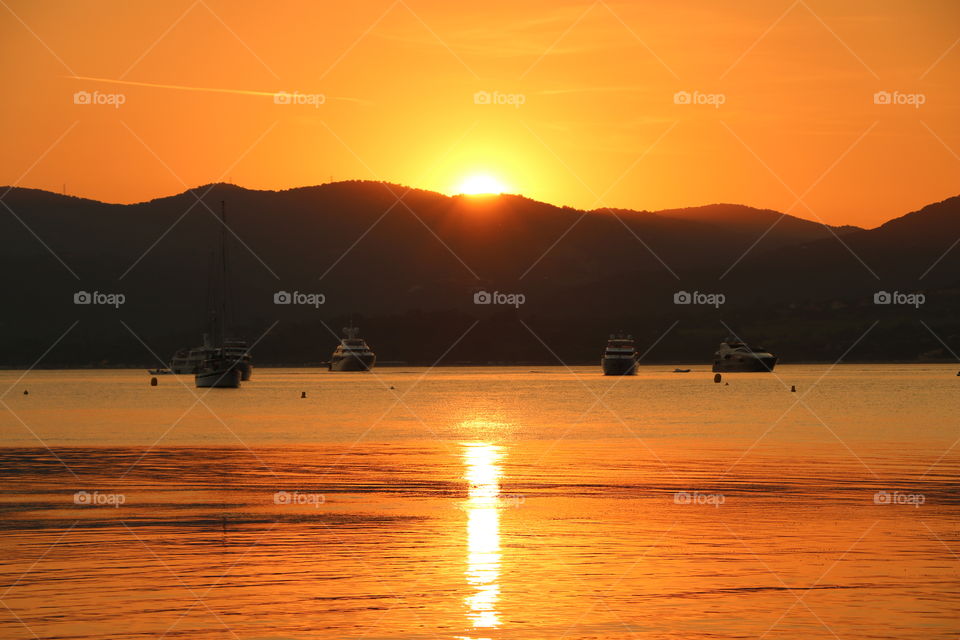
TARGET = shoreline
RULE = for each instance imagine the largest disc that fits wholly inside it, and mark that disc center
(400, 365)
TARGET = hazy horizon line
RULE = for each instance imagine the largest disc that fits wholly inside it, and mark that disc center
(5, 189)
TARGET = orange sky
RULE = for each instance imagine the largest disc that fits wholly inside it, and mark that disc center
(598, 124)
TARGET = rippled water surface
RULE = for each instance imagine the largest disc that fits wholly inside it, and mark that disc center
(482, 503)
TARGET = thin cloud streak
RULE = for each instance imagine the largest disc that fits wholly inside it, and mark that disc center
(180, 87)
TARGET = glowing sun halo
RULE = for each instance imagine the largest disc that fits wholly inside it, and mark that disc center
(476, 185)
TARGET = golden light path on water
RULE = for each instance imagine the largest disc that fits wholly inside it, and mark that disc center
(483, 532)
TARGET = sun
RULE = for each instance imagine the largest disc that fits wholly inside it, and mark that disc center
(480, 184)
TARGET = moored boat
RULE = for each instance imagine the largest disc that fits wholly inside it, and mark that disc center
(353, 353)
(188, 361)
(620, 356)
(223, 363)
(736, 356)
(219, 371)
(239, 351)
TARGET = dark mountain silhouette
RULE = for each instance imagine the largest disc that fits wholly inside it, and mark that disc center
(406, 270)
(773, 225)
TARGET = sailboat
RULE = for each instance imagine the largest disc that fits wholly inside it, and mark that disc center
(224, 362)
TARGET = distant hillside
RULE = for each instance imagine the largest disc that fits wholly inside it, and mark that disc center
(407, 272)
(778, 227)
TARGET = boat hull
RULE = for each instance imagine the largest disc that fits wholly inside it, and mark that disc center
(219, 378)
(185, 370)
(744, 365)
(353, 363)
(619, 366)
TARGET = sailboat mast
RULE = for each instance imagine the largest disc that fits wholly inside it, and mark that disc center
(222, 324)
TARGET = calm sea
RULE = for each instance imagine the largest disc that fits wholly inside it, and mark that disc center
(482, 503)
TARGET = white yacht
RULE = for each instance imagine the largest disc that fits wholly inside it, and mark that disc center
(620, 357)
(188, 361)
(734, 355)
(353, 353)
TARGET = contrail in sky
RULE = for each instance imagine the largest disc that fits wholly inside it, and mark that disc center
(243, 92)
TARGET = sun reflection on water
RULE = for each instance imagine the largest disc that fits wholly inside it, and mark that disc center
(483, 532)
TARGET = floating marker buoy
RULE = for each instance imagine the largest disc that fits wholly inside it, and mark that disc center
(726, 384)
(391, 386)
(793, 388)
(26, 393)
(717, 378)
(153, 381)
(303, 394)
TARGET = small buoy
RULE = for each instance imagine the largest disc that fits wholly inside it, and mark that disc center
(153, 381)
(26, 393)
(303, 394)
(793, 388)
(391, 386)
(717, 378)
(726, 384)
